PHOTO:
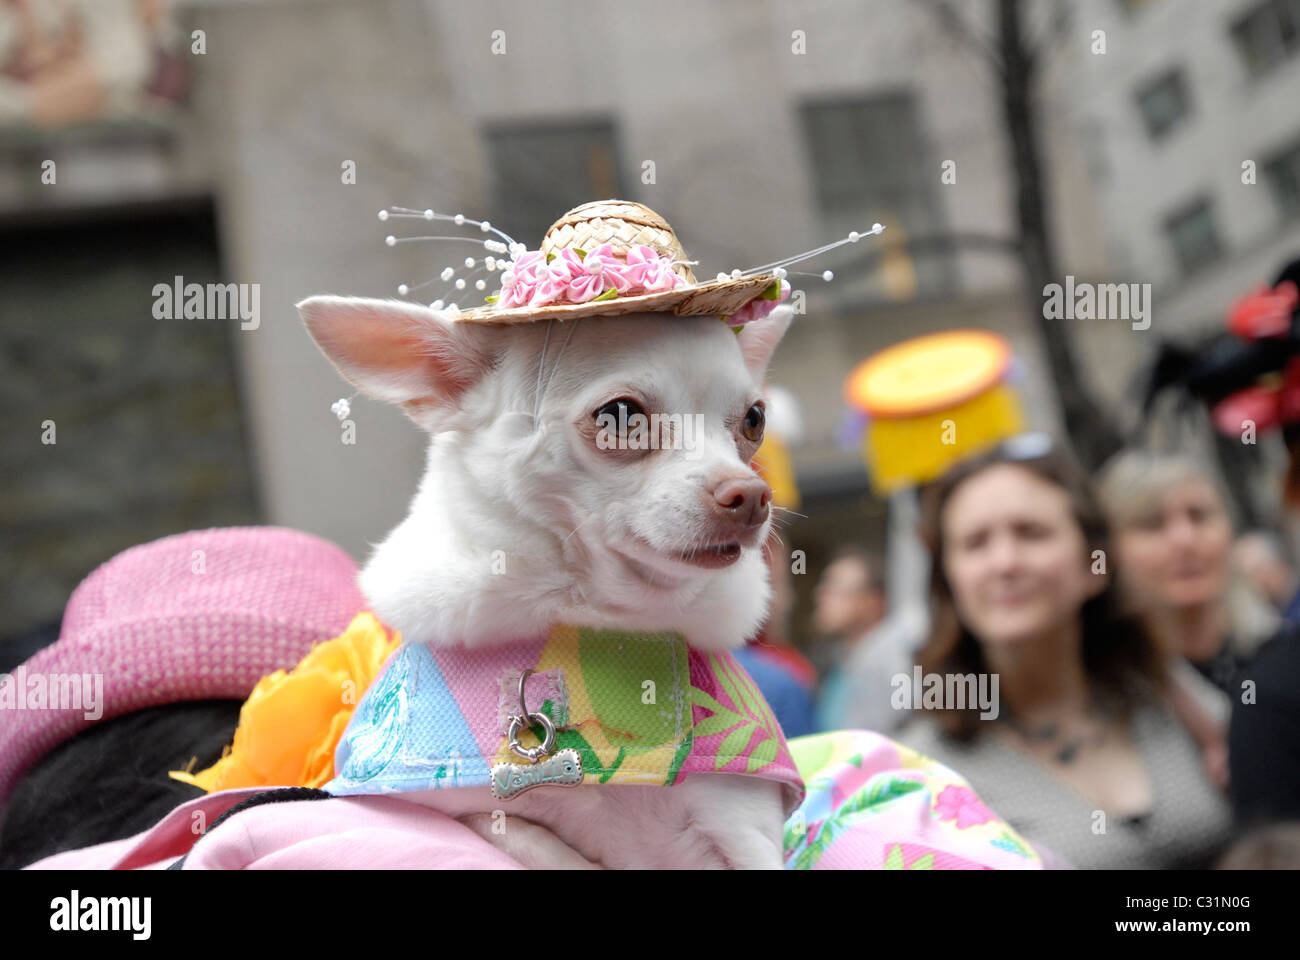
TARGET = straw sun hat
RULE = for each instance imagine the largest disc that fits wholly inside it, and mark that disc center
(603, 258)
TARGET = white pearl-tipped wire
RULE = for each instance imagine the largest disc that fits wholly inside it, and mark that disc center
(556, 365)
(540, 391)
(451, 283)
(541, 365)
(875, 230)
(406, 213)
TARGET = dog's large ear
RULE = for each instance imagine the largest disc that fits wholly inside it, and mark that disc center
(758, 339)
(398, 352)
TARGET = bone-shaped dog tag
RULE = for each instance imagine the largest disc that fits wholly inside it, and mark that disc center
(562, 770)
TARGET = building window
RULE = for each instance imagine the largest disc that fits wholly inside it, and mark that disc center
(543, 170)
(1283, 174)
(1164, 103)
(1132, 8)
(1194, 237)
(151, 440)
(868, 166)
(1268, 35)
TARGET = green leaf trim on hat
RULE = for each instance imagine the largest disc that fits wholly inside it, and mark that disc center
(609, 294)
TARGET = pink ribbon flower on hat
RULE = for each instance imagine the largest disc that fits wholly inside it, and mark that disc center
(580, 277)
(595, 274)
(554, 278)
(618, 272)
(650, 272)
(520, 280)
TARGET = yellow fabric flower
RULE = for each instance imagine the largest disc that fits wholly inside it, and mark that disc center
(291, 722)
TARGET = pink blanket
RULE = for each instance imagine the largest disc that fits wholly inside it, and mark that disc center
(340, 833)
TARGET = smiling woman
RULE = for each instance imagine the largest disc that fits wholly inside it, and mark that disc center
(1021, 547)
(1085, 755)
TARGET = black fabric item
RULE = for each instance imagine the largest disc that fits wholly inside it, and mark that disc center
(1290, 272)
(1222, 669)
(283, 795)
(21, 647)
(1264, 736)
(110, 781)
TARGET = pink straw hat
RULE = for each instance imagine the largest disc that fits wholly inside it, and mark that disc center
(200, 615)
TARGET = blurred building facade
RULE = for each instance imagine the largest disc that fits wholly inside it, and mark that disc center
(1193, 140)
(1190, 121)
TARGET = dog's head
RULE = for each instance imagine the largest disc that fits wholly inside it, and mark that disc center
(603, 463)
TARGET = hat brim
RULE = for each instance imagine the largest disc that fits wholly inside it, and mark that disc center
(717, 298)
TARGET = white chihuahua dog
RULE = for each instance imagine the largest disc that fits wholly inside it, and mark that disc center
(597, 534)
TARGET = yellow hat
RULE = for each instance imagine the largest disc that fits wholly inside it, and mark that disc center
(931, 401)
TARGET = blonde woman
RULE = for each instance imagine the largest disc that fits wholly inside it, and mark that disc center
(1173, 540)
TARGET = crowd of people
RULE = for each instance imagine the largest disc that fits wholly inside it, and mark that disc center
(1145, 658)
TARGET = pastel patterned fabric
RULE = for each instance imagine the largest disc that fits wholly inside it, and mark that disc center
(638, 708)
(874, 804)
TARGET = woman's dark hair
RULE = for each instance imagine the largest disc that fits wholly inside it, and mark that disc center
(1120, 657)
(110, 781)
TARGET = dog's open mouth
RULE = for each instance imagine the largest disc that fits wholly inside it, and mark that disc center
(665, 568)
(712, 558)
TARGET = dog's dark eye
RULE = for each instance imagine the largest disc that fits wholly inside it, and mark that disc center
(622, 424)
(752, 428)
(610, 417)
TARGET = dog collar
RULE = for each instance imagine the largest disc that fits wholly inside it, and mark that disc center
(626, 708)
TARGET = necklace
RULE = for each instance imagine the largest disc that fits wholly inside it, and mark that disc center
(1065, 750)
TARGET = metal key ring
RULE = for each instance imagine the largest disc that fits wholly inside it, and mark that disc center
(532, 754)
(523, 678)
